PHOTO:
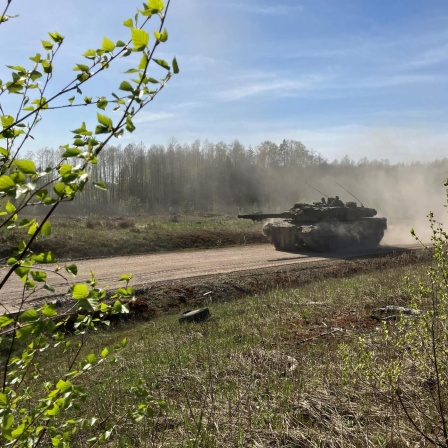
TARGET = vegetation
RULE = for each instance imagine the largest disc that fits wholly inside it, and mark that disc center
(86, 237)
(223, 177)
(321, 365)
(263, 371)
(308, 367)
(413, 370)
(34, 412)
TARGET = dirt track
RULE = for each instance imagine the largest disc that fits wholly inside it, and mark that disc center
(186, 274)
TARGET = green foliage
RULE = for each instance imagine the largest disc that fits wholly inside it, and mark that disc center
(37, 408)
(411, 368)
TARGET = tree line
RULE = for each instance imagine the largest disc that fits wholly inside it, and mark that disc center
(205, 176)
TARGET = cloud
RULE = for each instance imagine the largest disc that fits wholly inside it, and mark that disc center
(430, 57)
(150, 117)
(257, 8)
(397, 80)
(283, 85)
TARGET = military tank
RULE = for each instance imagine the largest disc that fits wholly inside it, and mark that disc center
(326, 226)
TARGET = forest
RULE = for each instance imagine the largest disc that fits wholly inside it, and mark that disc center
(186, 178)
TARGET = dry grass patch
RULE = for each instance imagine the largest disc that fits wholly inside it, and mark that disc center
(263, 371)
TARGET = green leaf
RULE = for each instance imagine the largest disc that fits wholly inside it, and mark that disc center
(143, 62)
(24, 332)
(54, 411)
(25, 166)
(129, 23)
(4, 397)
(45, 229)
(49, 310)
(36, 58)
(102, 103)
(156, 6)
(30, 315)
(5, 321)
(162, 63)
(65, 170)
(10, 208)
(18, 177)
(80, 291)
(22, 271)
(59, 189)
(33, 228)
(56, 37)
(88, 304)
(7, 121)
(47, 45)
(82, 68)
(162, 37)
(90, 54)
(91, 358)
(104, 352)
(126, 86)
(46, 65)
(18, 431)
(44, 257)
(105, 121)
(101, 130)
(34, 75)
(39, 276)
(83, 129)
(117, 306)
(100, 185)
(175, 66)
(129, 125)
(17, 68)
(107, 45)
(72, 269)
(140, 38)
(8, 420)
(63, 386)
(126, 277)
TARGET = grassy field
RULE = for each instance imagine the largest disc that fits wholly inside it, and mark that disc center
(263, 371)
(77, 238)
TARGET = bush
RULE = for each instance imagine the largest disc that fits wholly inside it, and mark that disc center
(407, 362)
(37, 407)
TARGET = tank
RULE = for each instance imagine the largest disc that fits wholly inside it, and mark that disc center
(325, 226)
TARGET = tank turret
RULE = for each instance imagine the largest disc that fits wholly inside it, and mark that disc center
(327, 225)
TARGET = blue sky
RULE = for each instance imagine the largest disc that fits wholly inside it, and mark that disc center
(363, 78)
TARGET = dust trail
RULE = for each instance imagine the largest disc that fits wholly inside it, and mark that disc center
(404, 194)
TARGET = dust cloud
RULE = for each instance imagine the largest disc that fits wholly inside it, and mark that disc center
(404, 194)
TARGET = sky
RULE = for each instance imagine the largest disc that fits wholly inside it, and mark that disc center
(345, 77)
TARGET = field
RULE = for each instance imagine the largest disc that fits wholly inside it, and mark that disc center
(265, 370)
(299, 358)
(92, 237)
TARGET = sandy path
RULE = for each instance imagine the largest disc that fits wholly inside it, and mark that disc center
(153, 268)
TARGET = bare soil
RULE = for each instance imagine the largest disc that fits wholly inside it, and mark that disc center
(179, 281)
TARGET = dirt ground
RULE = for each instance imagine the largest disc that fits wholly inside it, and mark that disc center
(189, 293)
(175, 282)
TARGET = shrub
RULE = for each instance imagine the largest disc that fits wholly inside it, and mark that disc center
(36, 407)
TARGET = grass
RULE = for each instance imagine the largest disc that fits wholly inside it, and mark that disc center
(75, 238)
(263, 371)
